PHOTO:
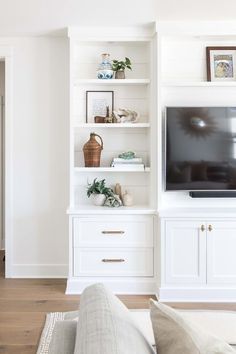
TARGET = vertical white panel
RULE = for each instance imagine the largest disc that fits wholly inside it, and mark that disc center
(221, 257)
(185, 252)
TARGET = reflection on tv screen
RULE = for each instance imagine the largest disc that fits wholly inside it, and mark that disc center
(200, 148)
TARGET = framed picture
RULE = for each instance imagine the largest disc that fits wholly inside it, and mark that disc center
(221, 63)
(97, 103)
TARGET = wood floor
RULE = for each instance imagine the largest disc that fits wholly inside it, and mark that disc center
(25, 302)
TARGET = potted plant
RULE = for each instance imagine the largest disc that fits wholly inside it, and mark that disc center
(99, 191)
(120, 66)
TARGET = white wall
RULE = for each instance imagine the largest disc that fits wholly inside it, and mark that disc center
(40, 156)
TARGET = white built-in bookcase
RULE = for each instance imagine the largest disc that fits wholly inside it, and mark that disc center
(137, 92)
(182, 81)
(169, 69)
(115, 246)
(195, 235)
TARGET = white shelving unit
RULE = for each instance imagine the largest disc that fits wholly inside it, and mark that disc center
(196, 236)
(138, 92)
(183, 82)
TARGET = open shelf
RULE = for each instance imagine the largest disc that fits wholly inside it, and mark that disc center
(199, 84)
(109, 169)
(112, 125)
(97, 210)
(112, 82)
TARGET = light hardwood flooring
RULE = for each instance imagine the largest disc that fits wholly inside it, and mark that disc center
(25, 302)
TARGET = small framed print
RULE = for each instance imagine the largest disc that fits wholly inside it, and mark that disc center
(221, 63)
(97, 103)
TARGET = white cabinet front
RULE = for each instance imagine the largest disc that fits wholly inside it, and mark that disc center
(185, 252)
(113, 262)
(221, 252)
(119, 231)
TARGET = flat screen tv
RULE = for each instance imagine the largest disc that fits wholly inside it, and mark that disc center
(200, 151)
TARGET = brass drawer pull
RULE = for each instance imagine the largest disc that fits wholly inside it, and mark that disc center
(202, 228)
(210, 228)
(112, 232)
(113, 260)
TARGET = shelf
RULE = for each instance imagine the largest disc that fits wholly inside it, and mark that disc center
(108, 169)
(97, 210)
(112, 125)
(199, 84)
(113, 82)
(213, 212)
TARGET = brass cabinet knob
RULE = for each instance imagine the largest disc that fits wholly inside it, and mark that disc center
(210, 228)
(203, 228)
(113, 232)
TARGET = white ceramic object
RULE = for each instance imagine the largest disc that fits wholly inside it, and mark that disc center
(99, 199)
(127, 199)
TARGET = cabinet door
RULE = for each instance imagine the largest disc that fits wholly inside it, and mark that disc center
(221, 252)
(185, 252)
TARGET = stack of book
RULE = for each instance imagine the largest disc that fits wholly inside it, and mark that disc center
(133, 164)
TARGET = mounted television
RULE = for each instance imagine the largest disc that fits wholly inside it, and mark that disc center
(200, 151)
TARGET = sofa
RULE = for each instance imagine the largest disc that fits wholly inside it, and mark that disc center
(106, 326)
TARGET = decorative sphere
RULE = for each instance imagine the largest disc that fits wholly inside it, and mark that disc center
(197, 122)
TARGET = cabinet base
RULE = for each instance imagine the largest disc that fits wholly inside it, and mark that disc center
(197, 294)
(121, 286)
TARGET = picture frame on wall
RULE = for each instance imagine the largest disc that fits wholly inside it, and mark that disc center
(221, 63)
(97, 103)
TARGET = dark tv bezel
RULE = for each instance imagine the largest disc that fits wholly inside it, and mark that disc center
(165, 151)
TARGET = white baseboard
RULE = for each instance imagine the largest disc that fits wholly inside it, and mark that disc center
(39, 271)
(197, 294)
(118, 286)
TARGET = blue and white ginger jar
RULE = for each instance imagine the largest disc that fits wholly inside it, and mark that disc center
(105, 68)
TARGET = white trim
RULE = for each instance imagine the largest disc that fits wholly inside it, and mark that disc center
(172, 294)
(199, 84)
(39, 270)
(127, 285)
(6, 53)
(102, 33)
(113, 125)
(196, 28)
(95, 210)
(113, 82)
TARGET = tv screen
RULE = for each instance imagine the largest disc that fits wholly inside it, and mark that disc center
(200, 148)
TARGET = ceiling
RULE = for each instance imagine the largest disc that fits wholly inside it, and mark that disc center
(39, 17)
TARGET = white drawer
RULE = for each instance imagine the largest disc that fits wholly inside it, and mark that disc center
(113, 262)
(119, 231)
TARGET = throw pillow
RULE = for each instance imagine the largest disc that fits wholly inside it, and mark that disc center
(174, 335)
(106, 326)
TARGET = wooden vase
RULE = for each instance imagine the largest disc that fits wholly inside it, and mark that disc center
(92, 151)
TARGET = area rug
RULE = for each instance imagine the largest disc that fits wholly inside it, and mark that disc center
(53, 319)
(219, 323)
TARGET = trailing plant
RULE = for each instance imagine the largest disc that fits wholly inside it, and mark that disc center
(99, 187)
(120, 65)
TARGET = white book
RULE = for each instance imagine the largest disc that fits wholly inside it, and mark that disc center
(134, 160)
(129, 167)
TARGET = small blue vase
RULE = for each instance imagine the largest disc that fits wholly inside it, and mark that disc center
(105, 71)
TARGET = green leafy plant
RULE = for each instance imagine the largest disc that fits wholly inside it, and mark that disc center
(120, 65)
(99, 187)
